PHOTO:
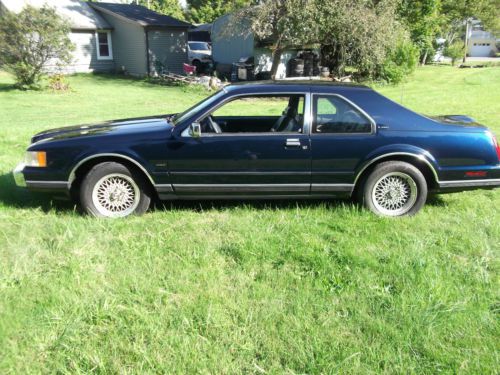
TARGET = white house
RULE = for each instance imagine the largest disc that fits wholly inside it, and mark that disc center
(480, 43)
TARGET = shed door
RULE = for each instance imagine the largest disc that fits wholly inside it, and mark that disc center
(167, 50)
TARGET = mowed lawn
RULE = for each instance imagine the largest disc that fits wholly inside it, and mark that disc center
(316, 287)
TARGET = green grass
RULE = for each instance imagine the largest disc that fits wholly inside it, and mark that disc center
(226, 288)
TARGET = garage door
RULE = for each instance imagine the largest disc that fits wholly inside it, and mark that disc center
(480, 50)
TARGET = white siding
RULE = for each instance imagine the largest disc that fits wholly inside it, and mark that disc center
(84, 56)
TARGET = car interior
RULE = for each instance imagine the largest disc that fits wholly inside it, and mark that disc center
(335, 115)
(262, 114)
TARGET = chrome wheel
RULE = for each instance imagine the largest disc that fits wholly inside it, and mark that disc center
(116, 195)
(394, 194)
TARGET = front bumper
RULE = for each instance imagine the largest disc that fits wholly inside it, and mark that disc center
(25, 179)
(19, 175)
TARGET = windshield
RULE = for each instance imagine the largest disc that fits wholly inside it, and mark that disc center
(199, 46)
(180, 117)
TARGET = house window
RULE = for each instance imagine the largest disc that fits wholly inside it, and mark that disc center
(103, 44)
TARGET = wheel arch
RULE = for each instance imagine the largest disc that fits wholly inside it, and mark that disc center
(85, 165)
(417, 160)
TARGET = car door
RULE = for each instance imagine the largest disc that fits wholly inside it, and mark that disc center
(342, 135)
(254, 161)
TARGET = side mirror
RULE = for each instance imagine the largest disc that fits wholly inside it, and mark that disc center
(195, 130)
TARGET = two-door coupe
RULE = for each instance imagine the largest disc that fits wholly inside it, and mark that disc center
(288, 139)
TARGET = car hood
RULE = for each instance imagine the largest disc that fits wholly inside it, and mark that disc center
(124, 126)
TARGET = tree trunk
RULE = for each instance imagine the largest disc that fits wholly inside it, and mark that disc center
(466, 39)
(276, 62)
(424, 58)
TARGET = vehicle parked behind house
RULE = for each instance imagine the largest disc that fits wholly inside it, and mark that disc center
(199, 53)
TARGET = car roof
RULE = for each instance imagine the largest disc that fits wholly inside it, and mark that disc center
(299, 84)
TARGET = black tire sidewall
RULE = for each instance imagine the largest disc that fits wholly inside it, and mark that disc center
(384, 168)
(104, 169)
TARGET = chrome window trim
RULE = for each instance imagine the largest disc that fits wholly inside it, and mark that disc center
(418, 156)
(72, 175)
(363, 112)
(306, 128)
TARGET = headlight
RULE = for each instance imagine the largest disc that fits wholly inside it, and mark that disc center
(36, 159)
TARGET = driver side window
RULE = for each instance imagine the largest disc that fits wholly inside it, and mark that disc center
(332, 114)
(257, 114)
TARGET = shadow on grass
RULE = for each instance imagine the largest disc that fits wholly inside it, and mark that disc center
(16, 197)
(257, 204)
(7, 87)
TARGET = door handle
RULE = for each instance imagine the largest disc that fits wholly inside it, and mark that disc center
(292, 142)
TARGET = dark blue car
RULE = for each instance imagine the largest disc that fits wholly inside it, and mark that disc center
(266, 140)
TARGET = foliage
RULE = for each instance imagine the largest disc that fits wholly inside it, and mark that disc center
(58, 82)
(422, 18)
(31, 40)
(169, 7)
(301, 287)
(401, 61)
(356, 34)
(280, 23)
(454, 51)
(455, 13)
(203, 11)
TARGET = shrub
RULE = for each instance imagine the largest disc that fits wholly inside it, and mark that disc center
(32, 39)
(400, 62)
(454, 51)
(58, 82)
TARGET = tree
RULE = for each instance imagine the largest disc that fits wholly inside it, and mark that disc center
(457, 15)
(422, 18)
(169, 7)
(357, 34)
(283, 23)
(32, 39)
(454, 51)
(206, 11)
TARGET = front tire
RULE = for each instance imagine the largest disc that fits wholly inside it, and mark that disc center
(394, 188)
(112, 190)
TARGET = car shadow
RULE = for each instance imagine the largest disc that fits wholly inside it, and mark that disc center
(16, 197)
(258, 204)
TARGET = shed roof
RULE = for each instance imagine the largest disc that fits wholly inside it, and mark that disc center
(79, 13)
(142, 15)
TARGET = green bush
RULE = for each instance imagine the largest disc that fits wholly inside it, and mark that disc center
(30, 40)
(400, 62)
(454, 51)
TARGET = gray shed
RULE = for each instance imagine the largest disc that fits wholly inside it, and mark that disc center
(90, 33)
(145, 42)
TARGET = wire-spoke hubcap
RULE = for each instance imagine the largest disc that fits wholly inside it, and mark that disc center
(394, 194)
(116, 195)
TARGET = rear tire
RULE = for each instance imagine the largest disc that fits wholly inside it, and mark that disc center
(112, 190)
(394, 188)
